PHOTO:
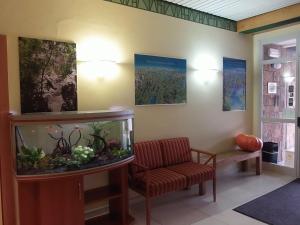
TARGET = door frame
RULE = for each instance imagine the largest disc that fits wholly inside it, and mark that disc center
(6, 175)
(295, 35)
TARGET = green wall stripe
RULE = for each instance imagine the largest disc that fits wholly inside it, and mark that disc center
(181, 12)
(271, 26)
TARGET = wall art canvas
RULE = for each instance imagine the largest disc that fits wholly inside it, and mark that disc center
(48, 76)
(159, 80)
(234, 84)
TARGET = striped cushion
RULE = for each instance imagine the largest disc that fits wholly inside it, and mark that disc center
(162, 181)
(195, 173)
(149, 154)
(175, 150)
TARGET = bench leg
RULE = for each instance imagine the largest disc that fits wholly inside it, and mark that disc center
(244, 165)
(258, 165)
(148, 211)
(202, 188)
(215, 188)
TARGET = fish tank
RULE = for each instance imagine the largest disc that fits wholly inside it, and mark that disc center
(51, 143)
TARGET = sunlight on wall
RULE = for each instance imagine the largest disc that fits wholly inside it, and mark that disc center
(98, 58)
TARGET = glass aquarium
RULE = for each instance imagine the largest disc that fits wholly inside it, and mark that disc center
(50, 143)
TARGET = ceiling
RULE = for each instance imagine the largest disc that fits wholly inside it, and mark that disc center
(235, 9)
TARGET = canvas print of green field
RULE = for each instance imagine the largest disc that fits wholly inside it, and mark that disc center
(159, 80)
(48, 76)
(234, 84)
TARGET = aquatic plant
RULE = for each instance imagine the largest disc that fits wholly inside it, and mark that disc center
(45, 162)
(83, 154)
(65, 162)
(29, 157)
(99, 143)
(120, 153)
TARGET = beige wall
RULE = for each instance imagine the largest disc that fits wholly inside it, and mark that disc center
(125, 31)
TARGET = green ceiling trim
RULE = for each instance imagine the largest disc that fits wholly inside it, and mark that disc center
(181, 12)
(271, 26)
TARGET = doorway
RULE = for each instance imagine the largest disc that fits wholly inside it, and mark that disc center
(279, 67)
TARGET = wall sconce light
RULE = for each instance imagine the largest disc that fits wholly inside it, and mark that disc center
(206, 67)
(94, 69)
(206, 76)
(98, 58)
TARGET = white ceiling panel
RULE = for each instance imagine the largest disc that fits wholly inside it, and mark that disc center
(235, 9)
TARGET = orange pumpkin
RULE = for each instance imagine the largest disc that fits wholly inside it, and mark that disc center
(249, 142)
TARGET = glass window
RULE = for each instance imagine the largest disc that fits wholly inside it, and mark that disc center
(283, 50)
(283, 136)
(279, 89)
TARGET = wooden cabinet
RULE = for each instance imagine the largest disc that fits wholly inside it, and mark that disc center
(61, 201)
(53, 202)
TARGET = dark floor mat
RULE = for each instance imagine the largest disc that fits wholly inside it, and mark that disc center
(279, 207)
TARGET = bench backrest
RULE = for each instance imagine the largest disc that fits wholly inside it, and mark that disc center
(175, 150)
(149, 153)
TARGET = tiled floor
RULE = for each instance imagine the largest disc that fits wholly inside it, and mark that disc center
(186, 208)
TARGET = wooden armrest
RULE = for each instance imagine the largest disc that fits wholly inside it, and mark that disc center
(203, 152)
(140, 166)
(212, 156)
(145, 171)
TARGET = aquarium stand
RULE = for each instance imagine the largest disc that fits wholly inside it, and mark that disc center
(62, 200)
(116, 193)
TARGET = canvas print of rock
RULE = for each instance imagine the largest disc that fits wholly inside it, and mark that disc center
(234, 84)
(159, 80)
(48, 77)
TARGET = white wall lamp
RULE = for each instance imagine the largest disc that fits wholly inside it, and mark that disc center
(206, 76)
(94, 69)
(98, 58)
(205, 67)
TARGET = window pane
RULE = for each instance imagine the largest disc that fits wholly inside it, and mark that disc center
(283, 50)
(283, 135)
(279, 90)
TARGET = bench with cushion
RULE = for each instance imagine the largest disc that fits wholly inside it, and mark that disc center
(163, 166)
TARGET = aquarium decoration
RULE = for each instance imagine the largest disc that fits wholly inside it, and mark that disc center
(63, 146)
(159, 80)
(66, 147)
(48, 75)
